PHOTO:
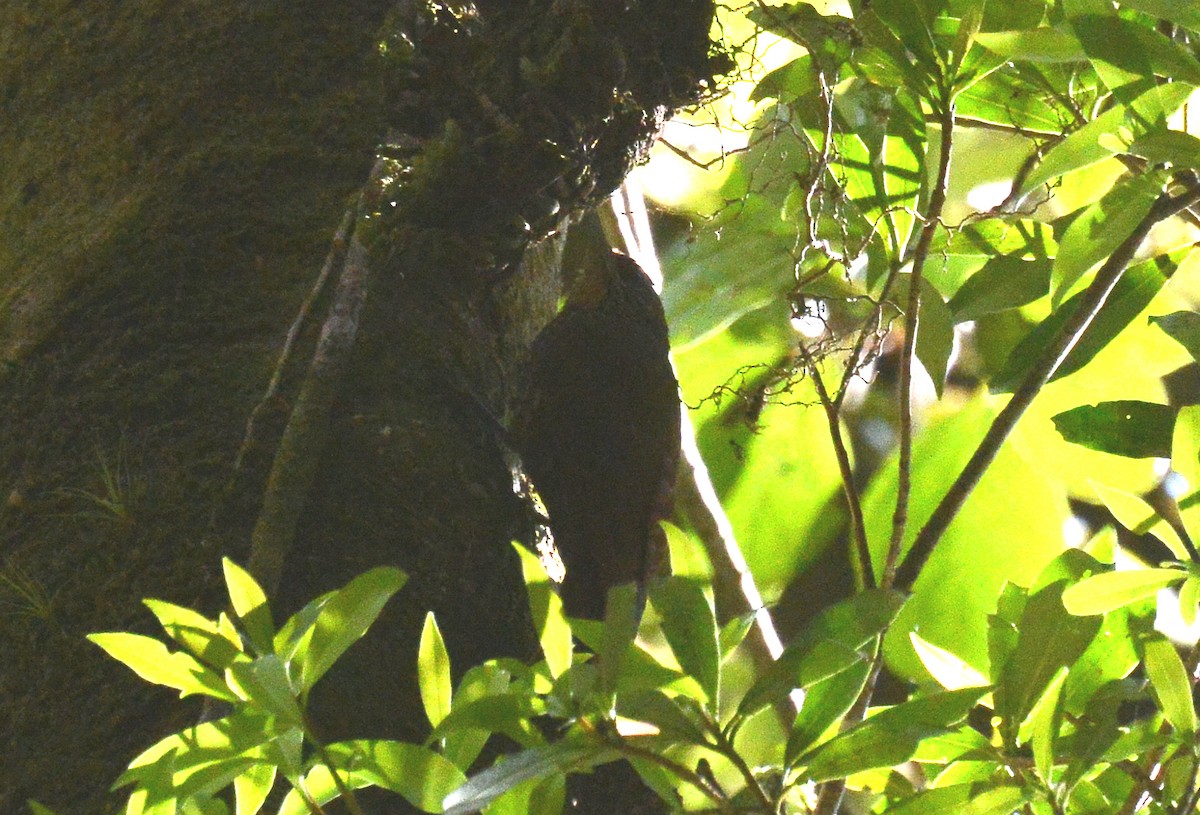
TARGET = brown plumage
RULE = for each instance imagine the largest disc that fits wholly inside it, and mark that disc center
(598, 431)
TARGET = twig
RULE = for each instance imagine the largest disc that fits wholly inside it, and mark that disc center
(1092, 300)
(933, 217)
(864, 575)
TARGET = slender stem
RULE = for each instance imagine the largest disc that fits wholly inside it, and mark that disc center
(344, 791)
(863, 573)
(1090, 303)
(829, 797)
(933, 216)
(683, 773)
(725, 746)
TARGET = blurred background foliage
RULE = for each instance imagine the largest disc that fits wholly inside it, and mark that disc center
(1030, 211)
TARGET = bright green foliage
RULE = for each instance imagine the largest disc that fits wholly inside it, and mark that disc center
(265, 735)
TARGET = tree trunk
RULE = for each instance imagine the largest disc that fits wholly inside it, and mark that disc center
(171, 181)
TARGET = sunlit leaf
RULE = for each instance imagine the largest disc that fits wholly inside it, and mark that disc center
(1125, 50)
(1048, 639)
(463, 744)
(1136, 515)
(1004, 282)
(1083, 148)
(1169, 679)
(950, 671)
(433, 672)
(1047, 716)
(678, 718)
(889, 737)
(540, 762)
(345, 617)
(1100, 228)
(1128, 298)
(546, 607)
(1111, 590)
(1185, 460)
(1034, 45)
(203, 638)
(690, 626)
(825, 705)
(252, 787)
(264, 682)
(1189, 599)
(150, 659)
(250, 604)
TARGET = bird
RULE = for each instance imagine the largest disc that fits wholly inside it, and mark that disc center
(597, 431)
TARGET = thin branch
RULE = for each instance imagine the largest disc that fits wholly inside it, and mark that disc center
(863, 573)
(933, 217)
(1092, 300)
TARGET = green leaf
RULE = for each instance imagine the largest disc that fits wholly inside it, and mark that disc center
(980, 798)
(734, 632)
(150, 659)
(1048, 45)
(1189, 599)
(1125, 50)
(235, 737)
(935, 335)
(1004, 282)
(1185, 460)
(1169, 679)
(690, 626)
(1174, 147)
(1136, 515)
(826, 704)
(1084, 147)
(1005, 99)
(1047, 716)
(462, 745)
(677, 718)
(950, 671)
(831, 643)
(554, 633)
(422, 776)
(508, 713)
(789, 82)
(344, 618)
(250, 604)
(1130, 296)
(1184, 328)
(1097, 231)
(1123, 428)
(621, 617)
(1111, 590)
(1048, 638)
(202, 637)
(264, 682)
(890, 737)
(252, 787)
(540, 762)
(433, 672)
(1182, 14)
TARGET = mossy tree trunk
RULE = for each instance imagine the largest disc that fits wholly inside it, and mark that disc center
(170, 181)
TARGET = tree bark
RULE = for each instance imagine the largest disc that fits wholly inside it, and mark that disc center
(170, 185)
